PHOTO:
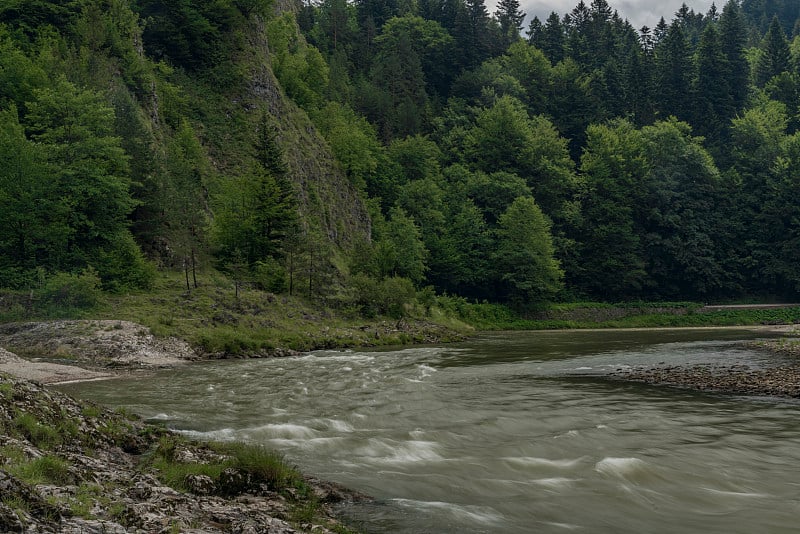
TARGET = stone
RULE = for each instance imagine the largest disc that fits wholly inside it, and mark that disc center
(200, 484)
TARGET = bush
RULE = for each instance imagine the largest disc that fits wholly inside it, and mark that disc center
(390, 296)
(72, 291)
(264, 465)
(122, 265)
(396, 294)
(269, 275)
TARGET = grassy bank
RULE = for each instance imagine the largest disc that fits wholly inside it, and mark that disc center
(220, 321)
(584, 315)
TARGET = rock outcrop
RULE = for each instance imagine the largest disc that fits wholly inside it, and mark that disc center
(68, 466)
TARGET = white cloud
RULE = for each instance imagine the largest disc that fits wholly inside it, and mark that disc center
(638, 12)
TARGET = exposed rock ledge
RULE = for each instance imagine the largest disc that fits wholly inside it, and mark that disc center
(60, 351)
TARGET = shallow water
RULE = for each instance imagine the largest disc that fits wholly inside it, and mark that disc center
(511, 432)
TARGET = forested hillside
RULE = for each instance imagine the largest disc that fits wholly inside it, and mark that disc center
(363, 152)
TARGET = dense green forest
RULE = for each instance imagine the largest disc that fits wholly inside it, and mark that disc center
(406, 149)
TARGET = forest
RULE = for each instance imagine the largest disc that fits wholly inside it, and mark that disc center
(411, 148)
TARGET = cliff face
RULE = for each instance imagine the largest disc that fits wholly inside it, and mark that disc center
(326, 195)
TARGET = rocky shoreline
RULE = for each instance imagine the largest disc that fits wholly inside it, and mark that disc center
(72, 467)
(780, 379)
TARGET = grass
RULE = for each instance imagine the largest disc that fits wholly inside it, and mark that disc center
(263, 465)
(583, 315)
(47, 469)
(41, 435)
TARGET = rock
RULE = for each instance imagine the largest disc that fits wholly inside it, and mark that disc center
(102, 484)
(233, 481)
(200, 484)
(9, 521)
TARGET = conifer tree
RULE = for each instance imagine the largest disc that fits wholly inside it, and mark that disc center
(674, 68)
(534, 33)
(553, 39)
(775, 57)
(510, 17)
(733, 38)
(711, 93)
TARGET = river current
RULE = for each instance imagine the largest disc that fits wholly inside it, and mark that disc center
(510, 432)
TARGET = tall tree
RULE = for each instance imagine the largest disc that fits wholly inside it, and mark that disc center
(733, 37)
(678, 216)
(611, 263)
(674, 68)
(510, 17)
(774, 58)
(712, 96)
(524, 259)
(553, 41)
(472, 33)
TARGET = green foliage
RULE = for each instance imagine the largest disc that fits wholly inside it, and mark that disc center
(264, 465)
(524, 259)
(192, 35)
(146, 125)
(47, 469)
(353, 141)
(41, 435)
(68, 291)
(256, 210)
(300, 68)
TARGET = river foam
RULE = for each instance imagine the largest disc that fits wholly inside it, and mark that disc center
(478, 514)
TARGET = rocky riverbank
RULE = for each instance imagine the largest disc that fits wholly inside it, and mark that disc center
(781, 378)
(73, 467)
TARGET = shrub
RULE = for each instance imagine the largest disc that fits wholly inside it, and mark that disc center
(269, 275)
(264, 465)
(72, 291)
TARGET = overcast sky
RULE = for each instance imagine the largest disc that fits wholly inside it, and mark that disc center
(638, 12)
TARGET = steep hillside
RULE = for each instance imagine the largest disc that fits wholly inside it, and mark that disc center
(327, 197)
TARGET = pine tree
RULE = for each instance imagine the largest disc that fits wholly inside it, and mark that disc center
(553, 39)
(534, 32)
(674, 69)
(733, 38)
(660, 31)
(712, 96)
(775, 57)
(510, 17)
(578, 41)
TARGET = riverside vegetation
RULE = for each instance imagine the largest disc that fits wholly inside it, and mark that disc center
(259, 177)
(327, 151)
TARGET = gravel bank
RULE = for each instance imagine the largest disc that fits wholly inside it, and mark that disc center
(778, 379)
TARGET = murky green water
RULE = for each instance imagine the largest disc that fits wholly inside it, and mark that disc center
(506, 433)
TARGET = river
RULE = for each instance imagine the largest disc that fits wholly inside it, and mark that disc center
(509, 432)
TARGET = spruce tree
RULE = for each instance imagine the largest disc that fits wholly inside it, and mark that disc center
(733, 36)
(534, 32)
(510, 18)
(712, 96)
(775, 57)
(674, 69)
(553, 39)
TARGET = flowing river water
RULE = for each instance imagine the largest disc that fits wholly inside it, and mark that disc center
(510, 432)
